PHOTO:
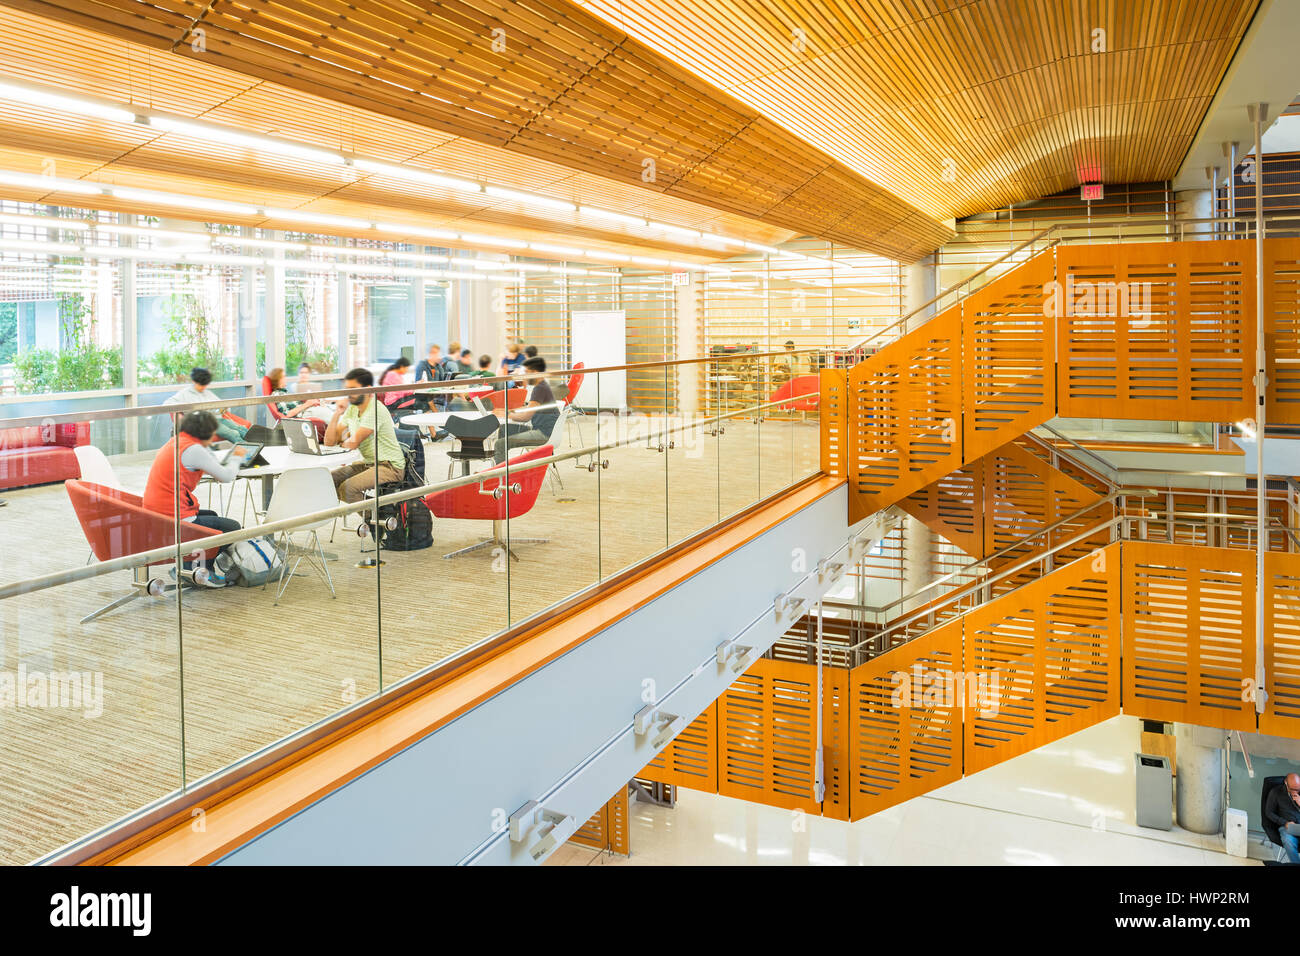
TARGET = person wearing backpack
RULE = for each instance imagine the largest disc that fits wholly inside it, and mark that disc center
(171, 484)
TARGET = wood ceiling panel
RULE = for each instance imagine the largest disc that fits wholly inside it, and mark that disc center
(898, 91)
(567, 88)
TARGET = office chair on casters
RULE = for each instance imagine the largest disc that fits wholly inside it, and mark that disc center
(1271, 833)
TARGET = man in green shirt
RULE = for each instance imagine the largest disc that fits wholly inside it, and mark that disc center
(362, 423)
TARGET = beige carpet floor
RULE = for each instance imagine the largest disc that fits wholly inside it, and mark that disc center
(192, 685)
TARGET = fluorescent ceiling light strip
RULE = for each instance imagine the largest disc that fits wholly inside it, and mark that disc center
(416, 231)
(251, 242)
(68, 104)
(494, 241)
(146, 231)
(594, 213)
(51, 184)
(224, 135)
(675, 230)
(418, 175)
(43, 222)
(500, 192)
(181, 202)
(557, 250)
(46, 248)
(319, 218)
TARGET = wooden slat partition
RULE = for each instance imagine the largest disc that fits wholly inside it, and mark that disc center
(1008, 355)
(1281, 715)
(1162, 330)
(833, 409)
(901, 746)
(1282, 330)
(1049, 655)
(905, 415)
(691, 760)
(608, 827)
(1189, 634)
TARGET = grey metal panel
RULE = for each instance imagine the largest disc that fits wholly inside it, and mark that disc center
(439, 800)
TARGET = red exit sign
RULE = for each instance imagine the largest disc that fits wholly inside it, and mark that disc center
(1091, 192)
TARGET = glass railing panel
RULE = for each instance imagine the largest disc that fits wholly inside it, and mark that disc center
(292, 637)
(633, 508)
(693, 472)
(733, 387)
(90, 677)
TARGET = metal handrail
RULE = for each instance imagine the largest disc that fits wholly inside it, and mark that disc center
(1110, 471)
(174, 551)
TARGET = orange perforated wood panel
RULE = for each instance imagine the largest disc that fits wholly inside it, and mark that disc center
(1189, 634)
(691, 760)
(1162, 331)
(833, 409)
(906, 722)
(608, 827)
(1282, 329)
(767, 736)
(1007, 381)
(1048, 659)
(953, 506)
(905, 415)
(1281, 714)
(835, 741)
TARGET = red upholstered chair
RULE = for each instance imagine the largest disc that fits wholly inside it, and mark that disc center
(39, 454)
(491, 500)
(807, 386)
(275, 412)
(507, 398)
(116, 525)
(575, 413)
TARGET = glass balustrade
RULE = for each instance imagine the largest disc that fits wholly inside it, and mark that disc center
(128, 677)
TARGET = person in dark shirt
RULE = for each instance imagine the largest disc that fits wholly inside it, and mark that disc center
(532, 423)
(1283, 807)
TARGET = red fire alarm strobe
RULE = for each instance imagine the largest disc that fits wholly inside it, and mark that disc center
(1091, 192)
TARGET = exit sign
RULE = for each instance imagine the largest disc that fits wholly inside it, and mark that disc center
(1090, 192)
(681, 278)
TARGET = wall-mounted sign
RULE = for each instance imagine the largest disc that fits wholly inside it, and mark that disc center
(681, 278)
(1091, 192)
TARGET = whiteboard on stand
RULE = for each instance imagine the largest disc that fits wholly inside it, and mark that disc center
(599, 340)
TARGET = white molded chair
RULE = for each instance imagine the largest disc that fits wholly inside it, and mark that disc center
(298, 492)
(95, 467)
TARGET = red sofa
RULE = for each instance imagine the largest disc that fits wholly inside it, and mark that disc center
(40, 453)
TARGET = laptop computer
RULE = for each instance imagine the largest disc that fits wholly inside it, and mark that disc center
(303, 441)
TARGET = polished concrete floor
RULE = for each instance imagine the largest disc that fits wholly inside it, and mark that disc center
(1066, 804)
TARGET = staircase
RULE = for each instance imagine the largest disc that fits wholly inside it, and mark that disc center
(1090, 600)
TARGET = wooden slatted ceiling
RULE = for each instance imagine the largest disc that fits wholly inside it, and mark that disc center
(567, 88)
(40, 50)
(1007, 92)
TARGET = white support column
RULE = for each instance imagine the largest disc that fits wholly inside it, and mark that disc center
(920, 284)
(688, 342)
(918, 565)
(1258, 114)
(418, 343)
(343, 319)
(275, 333)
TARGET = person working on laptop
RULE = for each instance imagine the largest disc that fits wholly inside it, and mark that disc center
(288, 408)
(1281, 807)
(196, 391)
(531, 424)
(171, 484)
(362, 423)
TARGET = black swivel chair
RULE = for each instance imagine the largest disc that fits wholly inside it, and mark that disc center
(474, 440)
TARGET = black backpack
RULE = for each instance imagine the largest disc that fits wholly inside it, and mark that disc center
(413, 528)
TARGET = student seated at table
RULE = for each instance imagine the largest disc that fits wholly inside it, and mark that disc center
(466, 361)
(513, 358)
(304, 382)
(196, 391)
(395, 374)
(288, 409)
(528, 425)
(1282, 806)
(362, 423)
(171, 484)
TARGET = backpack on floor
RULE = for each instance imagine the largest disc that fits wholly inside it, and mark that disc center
(250, 563)
(414, 526)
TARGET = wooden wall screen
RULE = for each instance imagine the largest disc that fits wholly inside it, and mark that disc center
(833, 408)
(905, 415)
(1281, 714)
(898, 752)
(1282, 330)
(1007, 381)
(1049, 656)
(1189, 634)
(1162, 330)
(608, 827)
(691, 760)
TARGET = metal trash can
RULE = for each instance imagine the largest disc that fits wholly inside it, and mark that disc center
(1155, 791)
